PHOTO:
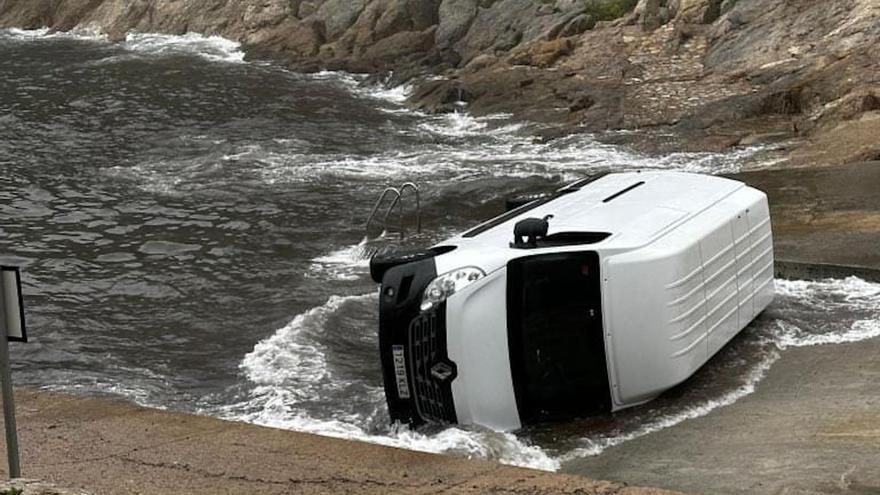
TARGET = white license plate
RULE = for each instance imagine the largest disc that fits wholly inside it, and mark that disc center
(400, 371)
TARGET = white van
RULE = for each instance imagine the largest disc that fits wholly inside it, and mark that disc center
(614, 291)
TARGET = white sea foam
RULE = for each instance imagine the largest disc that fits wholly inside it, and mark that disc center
(829, 293)
(461, 125)
(394, 94)
(499, 446)
(470, 147)
(853, 297)
(214, 48)
(292, 356)
(84, 33)
(595, 446)
(347, 263)
(355, 83)
(790, 335)
(839, 297)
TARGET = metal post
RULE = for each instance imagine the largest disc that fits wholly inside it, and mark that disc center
(8, 402)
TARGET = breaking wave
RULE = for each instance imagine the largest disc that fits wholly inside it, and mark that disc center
(299, 387)
(213, 48)
(299, 382)
(78, 34)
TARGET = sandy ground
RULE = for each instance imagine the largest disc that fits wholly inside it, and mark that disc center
(115, 448)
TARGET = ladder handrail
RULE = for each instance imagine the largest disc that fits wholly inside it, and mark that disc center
(415, 189)
(398, 203)
(386, 192)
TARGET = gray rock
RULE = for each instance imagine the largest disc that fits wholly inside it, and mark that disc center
(400, 45)
(339, 15)
(481, 62)
(651, 15)
(569, 5)
(406, 15)
(306, 8)
(456, 17)
(546, 9)
(727, 5)
(570, 26)
(578, 25)
(36, 487)
(505, 25)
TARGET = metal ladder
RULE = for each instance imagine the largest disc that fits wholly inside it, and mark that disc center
(397, 195)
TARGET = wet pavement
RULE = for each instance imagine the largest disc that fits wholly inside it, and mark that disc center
(824, 215)
(812, 425)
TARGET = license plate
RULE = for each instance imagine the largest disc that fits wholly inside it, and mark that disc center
(400, 371)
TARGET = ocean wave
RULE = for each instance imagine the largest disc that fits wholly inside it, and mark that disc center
(213, 48)
(467, 147)
(348, 263)
(291, 368)
(356, 84)
(851, 309)
(85, 33)
(593, 446)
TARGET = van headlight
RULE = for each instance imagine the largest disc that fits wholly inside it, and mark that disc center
(448, 284)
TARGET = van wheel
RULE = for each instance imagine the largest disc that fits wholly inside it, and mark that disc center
(382, 262)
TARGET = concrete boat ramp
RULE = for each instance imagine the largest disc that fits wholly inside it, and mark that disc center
(812, 424)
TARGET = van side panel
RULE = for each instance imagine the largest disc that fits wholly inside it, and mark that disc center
(696, 286)
(720, 275)
(745, 287)
(663, 341)
(762, 244)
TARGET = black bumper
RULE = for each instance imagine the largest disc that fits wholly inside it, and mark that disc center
(416, 369)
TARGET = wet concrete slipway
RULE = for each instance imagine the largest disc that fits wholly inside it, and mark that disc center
(190, 230)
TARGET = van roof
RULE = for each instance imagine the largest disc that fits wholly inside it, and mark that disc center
(633, 207)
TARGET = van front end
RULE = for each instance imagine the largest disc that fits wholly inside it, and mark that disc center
(416, 368)
(519, 345)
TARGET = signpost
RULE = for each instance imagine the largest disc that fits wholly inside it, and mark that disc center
(12, 329)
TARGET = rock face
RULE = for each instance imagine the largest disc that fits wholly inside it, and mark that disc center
(713, 72)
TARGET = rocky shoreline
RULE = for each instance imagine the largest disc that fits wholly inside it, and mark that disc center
(686, 74)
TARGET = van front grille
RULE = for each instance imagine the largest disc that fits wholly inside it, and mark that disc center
(427, 344)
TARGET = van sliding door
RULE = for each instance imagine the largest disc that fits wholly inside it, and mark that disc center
(554, 324)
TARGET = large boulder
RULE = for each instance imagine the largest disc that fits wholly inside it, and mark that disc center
(339, 15)
(503, 26)
(456, 17)
(542, 53)
(406, 15)
(399, 45)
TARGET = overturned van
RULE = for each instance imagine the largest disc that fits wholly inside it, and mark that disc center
(593, 299)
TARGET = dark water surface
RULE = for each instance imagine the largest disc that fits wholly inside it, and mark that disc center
(188, 225)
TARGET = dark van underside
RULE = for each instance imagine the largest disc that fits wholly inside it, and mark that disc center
(554, 325)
